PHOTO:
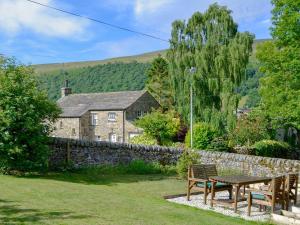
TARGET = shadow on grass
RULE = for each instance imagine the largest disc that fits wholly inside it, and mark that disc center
(92, 177)
(12, 213)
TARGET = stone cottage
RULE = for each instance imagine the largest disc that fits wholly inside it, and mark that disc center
(104, 116)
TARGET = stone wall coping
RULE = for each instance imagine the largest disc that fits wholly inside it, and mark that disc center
(157, 148)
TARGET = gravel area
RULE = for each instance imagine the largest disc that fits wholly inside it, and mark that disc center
(197, 201)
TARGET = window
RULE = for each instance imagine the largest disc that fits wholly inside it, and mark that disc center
(94, 119)
(113, 137)
(61, 125)
(98, 138)
(111, 116)
(132, 135)
(139, 113)
(73, 132)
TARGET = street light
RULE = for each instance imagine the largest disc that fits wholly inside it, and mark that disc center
(192, 71)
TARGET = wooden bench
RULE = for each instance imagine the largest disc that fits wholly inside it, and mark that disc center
(198, 179)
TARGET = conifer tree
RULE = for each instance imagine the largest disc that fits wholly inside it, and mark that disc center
(158, 82)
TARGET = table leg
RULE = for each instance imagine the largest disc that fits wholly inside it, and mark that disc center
(236, 197)
(213, 183)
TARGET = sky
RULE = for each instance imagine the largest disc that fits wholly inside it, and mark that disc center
(36, 35)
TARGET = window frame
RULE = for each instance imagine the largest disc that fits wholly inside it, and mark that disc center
(94, 119)
(112, 119)
(111, 139)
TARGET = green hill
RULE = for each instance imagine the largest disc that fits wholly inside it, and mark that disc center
(117, 76)
(142, 58)
(124, 73)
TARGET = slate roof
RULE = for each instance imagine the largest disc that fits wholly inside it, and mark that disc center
(75, 105)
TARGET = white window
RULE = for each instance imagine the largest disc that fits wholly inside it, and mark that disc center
(94, 119)
(111, 116)
(132, 135)
(73, 132)
(61, 125)
(113, 137)
(98, 138)
(139, 113)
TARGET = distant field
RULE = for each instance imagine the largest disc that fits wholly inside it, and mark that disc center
(142, 58)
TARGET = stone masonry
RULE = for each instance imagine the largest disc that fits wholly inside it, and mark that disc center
(87, 116)
(83, 153)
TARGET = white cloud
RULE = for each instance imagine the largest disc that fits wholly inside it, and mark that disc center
(146, 6)
(17, 15)
(157, 16)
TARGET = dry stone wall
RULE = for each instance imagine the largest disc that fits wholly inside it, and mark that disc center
(82, 153)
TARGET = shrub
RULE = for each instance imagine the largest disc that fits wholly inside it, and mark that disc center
(143, 139)
(203, 134)
(161, 126)
(186, 159)
(219, 144)
(250, 129)
(271, 148)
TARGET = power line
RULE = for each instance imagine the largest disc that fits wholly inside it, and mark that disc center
(98, 21)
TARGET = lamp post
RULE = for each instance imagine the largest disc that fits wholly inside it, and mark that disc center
(192, 71)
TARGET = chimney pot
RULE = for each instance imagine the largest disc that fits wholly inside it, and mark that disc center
(66, 90)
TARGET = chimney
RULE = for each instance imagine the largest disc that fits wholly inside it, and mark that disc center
(66, 90)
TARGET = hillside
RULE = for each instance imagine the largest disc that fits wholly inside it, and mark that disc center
(100, 78)
(142, 58)
(124, 73)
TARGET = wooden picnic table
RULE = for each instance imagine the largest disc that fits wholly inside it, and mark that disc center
(237, 181)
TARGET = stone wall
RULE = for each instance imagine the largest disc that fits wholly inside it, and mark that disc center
(87, 153)
(82, 153)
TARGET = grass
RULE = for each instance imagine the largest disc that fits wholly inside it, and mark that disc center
(146, 57)
(98, 197)
(142, 58)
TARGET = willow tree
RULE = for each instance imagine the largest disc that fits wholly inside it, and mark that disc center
(211, 43)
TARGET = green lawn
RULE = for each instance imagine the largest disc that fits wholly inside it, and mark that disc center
(78, 198)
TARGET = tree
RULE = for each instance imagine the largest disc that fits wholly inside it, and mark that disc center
(211, 43)
(286, 23)
(280, 87)
(161, 126)
(26, 116)
(158, 82)
(251, 128)
(203, 135)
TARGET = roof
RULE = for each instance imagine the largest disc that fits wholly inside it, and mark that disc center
(75, 105)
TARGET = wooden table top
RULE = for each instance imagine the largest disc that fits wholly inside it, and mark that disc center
(240, 179)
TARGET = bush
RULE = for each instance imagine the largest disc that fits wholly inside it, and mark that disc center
(203, 134)
(271, 148)
(250, 129)
(143, 139)
(163, 127)
(26, 119)
(186, 159)
(219, 144)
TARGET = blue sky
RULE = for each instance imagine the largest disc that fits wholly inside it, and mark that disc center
(34, 34)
